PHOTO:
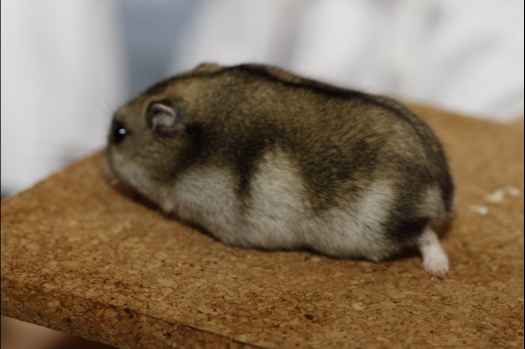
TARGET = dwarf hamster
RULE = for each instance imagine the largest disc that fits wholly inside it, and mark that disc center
(262, 158)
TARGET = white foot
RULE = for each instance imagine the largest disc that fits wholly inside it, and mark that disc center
(435, 260)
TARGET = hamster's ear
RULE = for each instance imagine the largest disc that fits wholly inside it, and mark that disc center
(163, 119)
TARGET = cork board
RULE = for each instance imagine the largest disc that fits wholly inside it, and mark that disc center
(79, 257)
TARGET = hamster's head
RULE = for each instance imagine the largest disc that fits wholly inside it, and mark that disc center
(160, 133)
(147, 144)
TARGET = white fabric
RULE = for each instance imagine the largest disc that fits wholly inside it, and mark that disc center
(62, 77)
(463, 55)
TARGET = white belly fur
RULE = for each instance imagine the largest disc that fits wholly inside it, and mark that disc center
(278, 214)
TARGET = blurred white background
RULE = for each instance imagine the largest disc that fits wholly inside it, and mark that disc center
(67, 65)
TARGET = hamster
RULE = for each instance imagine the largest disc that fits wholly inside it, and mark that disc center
(261, 158)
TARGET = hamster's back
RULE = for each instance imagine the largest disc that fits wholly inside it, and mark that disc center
(340, 140)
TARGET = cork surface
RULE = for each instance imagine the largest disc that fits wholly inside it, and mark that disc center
(79, 257)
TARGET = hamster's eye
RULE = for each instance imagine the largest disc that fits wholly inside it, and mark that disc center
(119, 132)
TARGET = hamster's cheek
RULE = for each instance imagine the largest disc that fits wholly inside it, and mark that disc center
(125, 170)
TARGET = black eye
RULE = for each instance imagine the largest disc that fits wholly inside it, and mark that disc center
(119, 132)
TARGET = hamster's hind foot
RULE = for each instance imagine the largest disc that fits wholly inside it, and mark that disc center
(435, 260)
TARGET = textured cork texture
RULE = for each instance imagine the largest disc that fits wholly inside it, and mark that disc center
(80, 257)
